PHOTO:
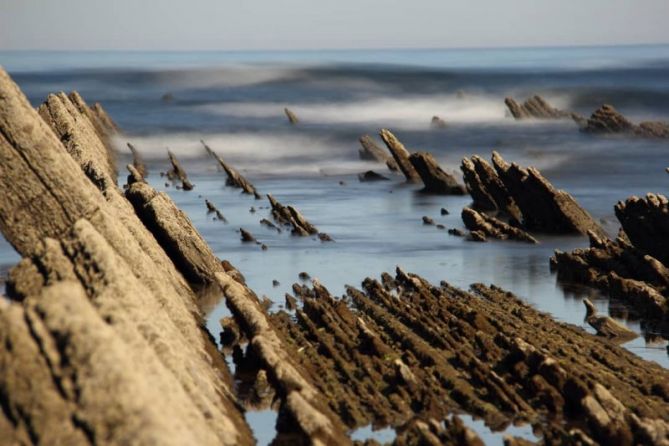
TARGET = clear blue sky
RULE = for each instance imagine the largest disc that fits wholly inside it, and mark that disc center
(314, 24)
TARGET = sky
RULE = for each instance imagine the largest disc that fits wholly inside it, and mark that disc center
(313, 24)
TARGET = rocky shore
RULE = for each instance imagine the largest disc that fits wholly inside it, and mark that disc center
(103, 322)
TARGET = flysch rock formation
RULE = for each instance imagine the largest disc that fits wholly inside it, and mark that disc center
(491, 227)
(528, 198)
(435, 179)
(633, 267)
(536, 107)
(401, 347)
(235, 179)
(370, 151)
(103, 123)
(178, 173)
(84, 342)
(78, 132)
(400, 155)
(104, 340)
(607, 119)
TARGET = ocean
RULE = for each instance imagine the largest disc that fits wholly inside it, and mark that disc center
(234, 101)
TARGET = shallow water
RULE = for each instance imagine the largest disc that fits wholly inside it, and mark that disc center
(235, 102)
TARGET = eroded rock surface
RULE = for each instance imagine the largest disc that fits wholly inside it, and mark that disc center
(106, 327)
(403, 347)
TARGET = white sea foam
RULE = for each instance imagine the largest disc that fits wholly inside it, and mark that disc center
(408, 112)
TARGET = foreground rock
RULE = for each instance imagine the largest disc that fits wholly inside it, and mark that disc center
(400, 155)
(607, 119)
(235, 179)
(434, 178)
(491, 227)
(175, 232)
(536, 107)
(90, 362)
(524, 195)
(414, 349)
(78, 132)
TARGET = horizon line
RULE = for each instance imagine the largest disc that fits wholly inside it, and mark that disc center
(333, 49)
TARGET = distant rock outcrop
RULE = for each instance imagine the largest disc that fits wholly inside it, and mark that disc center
(438, 123)
(607, 119)
(536, 107)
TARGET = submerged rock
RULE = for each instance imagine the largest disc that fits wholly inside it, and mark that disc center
(247, 236)
(400, 155)
(211, 209)
(438, 123)
(235, 179)
(436, 180)
(491, 227)
(370, 176)
(607, 119)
